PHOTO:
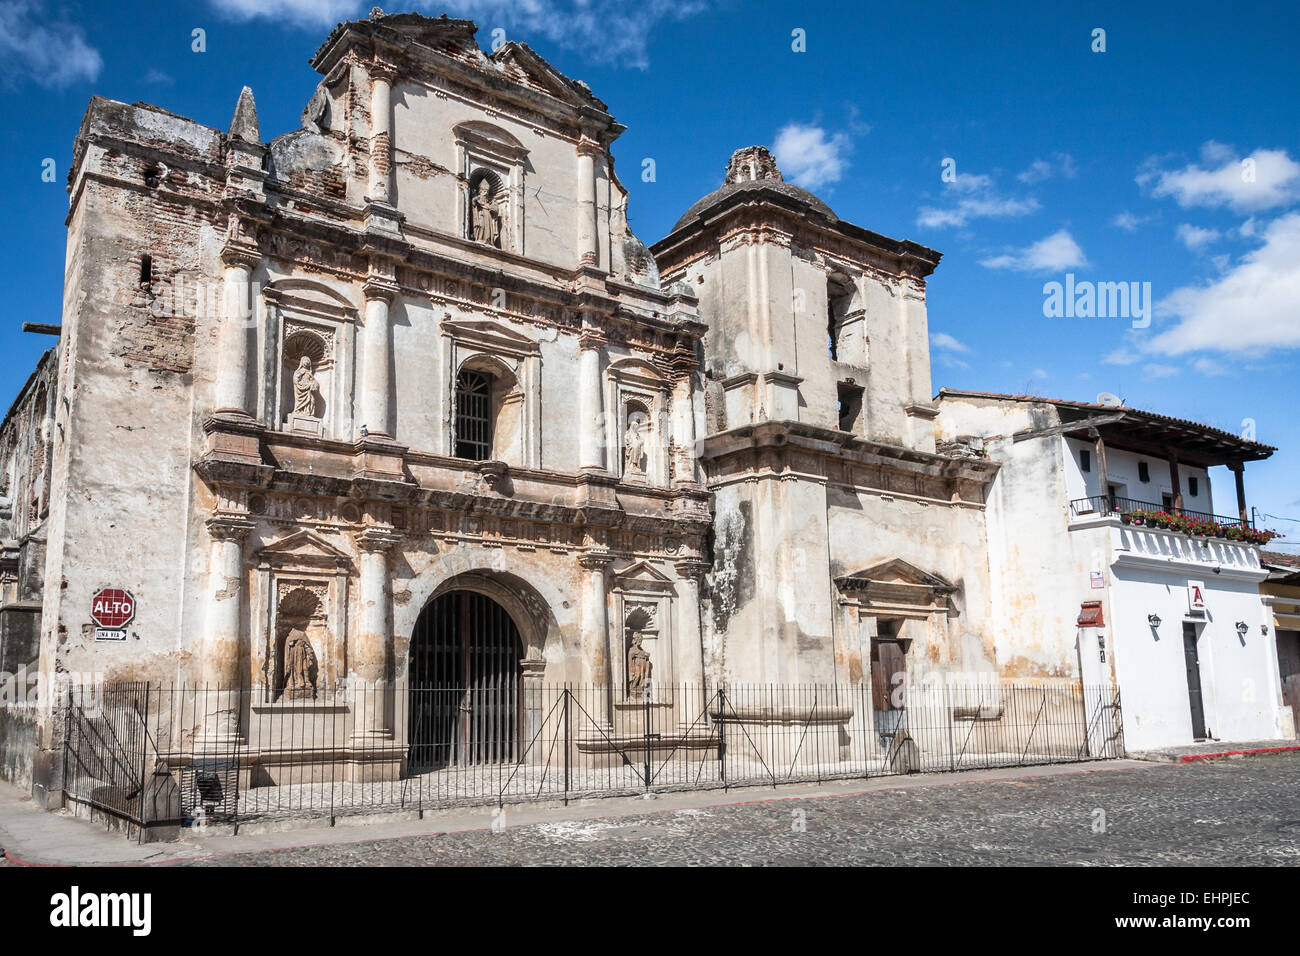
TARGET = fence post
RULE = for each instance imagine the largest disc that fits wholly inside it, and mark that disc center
(566, 745)
(947, 717)
(722, 734)
(645, 735)
(144, 759)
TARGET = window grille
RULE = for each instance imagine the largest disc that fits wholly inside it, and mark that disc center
(473, 416)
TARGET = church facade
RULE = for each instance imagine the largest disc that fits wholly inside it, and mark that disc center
(397, 399)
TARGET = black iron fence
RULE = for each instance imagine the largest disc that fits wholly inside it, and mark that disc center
(1118, 505)
(217, 755)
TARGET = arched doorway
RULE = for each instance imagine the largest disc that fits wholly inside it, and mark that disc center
(464, 678)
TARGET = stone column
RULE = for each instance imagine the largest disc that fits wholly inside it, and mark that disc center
(684, 429)
(381, 132)
(376, 351)
(591, 405)
(372, 649)
(588, 247)
(220, 652)
(688, 646)
(595, 626)
(232, 340)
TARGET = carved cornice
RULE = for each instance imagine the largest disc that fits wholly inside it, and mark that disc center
(592, 339)
(597, 560)
(586, 146)
(693, 568)
(376, 539)
(228, 527)
(243, 254)
(380, 287)
(382, 70)
(796, 449)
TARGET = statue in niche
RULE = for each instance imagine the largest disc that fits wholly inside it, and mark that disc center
(299, 666)
(638, 669)
(306, 389)
(634, 445)
(487, 215)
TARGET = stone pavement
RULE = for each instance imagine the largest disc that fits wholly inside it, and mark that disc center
(1206, 813)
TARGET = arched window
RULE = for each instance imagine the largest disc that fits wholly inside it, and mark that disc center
(473, 415)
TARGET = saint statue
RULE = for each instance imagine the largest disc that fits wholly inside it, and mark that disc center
(487, 215)
(305, 389)
(638, 669)
(634, 446)
(299, 666)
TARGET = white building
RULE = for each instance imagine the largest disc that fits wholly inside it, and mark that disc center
(1173, 618)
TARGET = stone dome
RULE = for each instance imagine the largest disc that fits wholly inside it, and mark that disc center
(754, 170)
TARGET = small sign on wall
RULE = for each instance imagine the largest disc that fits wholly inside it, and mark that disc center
(1196, 595)
(1098, 580)
(112, 609)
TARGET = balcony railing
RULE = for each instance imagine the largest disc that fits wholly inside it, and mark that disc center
(1127, 507)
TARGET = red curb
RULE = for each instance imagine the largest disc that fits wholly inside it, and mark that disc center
(1188, 758)
(19, 861)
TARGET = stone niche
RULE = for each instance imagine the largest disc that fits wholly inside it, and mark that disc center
(309, 338)
(643, 599)
(300, 593)
(638, 432)
(491, 195)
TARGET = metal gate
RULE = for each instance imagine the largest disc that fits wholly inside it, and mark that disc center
(465, 705)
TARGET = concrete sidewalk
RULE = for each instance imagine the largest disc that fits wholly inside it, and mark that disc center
(1216, 749)
(31, 836)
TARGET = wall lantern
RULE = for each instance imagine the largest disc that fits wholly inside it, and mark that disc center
(1242, 628)
(1153, 620)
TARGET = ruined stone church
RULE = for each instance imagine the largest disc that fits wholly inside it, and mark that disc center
(397, 399)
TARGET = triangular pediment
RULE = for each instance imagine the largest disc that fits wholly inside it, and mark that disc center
(524, 66)
(303, 549)
(487, 332)
(642, 574)
(894, 571)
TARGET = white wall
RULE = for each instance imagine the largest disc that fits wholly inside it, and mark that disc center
(1122, 470)
(1239, 682)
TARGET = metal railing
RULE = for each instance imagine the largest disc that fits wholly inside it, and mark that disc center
(1115, 504)
(418, 748)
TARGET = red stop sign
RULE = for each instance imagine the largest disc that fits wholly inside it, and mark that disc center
(112, 607)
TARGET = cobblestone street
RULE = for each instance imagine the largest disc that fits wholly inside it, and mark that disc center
(1210, 813)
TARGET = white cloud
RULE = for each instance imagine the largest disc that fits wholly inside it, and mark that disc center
(979, 199)
(1124, 355)
(1061, 165)
(50, 52)
(1251, 308)
(947, 348)
(1195, 238)
(1050, 254)
(157, 77)
(1157, 370)
(808, 157)
(1129, 221)
(307, 13)
(604, 31)
(1264, 179)
(942, 340)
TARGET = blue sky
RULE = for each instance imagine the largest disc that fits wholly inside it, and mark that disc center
(1173, 157)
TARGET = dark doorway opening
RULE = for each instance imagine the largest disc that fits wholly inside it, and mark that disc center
(465, 687)
(1193, 663)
